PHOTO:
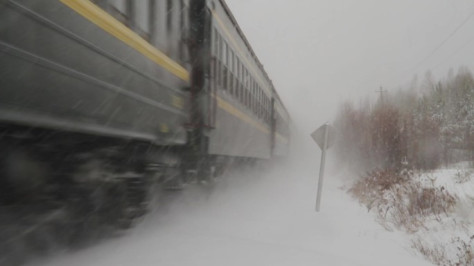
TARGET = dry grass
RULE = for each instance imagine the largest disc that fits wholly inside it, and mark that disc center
(463, 176)
(400, 201)
(438, 254)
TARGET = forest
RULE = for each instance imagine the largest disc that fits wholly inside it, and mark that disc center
(424, 126)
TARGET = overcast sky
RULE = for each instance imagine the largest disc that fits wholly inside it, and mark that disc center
(321, 52)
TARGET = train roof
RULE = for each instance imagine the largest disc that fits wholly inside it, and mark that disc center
(249, 47)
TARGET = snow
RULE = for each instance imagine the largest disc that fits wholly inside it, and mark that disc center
(256, 217)
(451, 235)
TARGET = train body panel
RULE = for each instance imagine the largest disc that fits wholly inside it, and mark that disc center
(162, 89)
(237, 133)
(242, 91)
(65, 72)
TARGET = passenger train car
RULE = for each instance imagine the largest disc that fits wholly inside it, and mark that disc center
(145, 91)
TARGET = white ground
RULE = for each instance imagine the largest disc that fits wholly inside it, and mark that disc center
(448, 234)
(256, 217)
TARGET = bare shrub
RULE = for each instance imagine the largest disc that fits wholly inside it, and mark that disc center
(427, 201)
(372, 187)
(401, 201)
(438, 254)
(463, 176)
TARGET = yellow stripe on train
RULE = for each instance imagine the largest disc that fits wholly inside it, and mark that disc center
(114, 27)
(230, 108)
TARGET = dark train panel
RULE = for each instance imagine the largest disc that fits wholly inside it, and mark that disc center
(62, 70)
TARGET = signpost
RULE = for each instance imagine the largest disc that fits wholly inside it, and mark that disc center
(325, 137)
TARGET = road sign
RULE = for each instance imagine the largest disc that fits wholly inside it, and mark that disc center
(324, 137)
(318, 136)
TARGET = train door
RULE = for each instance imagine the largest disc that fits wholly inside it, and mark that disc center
(212, 70)
(272, 126)
(200, 48)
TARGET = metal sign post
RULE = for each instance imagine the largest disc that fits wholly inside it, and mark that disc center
(324, 137)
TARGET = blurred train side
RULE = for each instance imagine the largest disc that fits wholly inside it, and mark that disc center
(172, 84)
(67, 70)
(251, 120)
(63, 71)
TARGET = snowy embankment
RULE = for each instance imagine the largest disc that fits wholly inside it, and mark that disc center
(434, 209)
(448, 239)
(255, 217)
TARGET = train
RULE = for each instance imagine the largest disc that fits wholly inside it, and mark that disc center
(102, 99)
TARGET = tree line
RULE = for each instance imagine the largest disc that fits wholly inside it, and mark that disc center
(420, 127)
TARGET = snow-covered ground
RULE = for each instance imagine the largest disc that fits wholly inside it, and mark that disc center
(449, 238)
(256, 217)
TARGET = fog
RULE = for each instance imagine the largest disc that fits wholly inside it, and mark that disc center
(320, 53)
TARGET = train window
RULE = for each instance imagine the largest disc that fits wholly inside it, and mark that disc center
(169, 15)
(247, 79)
(120, 9)
(231, 80)
(220, 74)
(256, 99)
(239, 84)
(236, 73)
(141, 17)
(248, 99)
(224, 53)
(244, 97)
(218, 46)
(239, 87)
(238, 93)
(101, 3)
(252, 97)
(241, 73)
(229, 56)
(248, 94)
(182, 15)
(119, 5)
(237, 69)
(257, 104)
(215, 73)
(231, 61)
(268, 109)
(265, 107)
(236, 64)
(252, 93)
(224, 77)
(183, 55)
(215, 43)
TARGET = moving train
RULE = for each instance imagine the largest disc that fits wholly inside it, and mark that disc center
(100, 99)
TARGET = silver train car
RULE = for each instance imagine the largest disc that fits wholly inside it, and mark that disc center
(149, 91)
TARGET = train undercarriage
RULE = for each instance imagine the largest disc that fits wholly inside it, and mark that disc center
(81, 188)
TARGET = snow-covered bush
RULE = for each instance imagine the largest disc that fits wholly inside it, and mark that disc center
(459, 251)
(401, 201)
(463, 176)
